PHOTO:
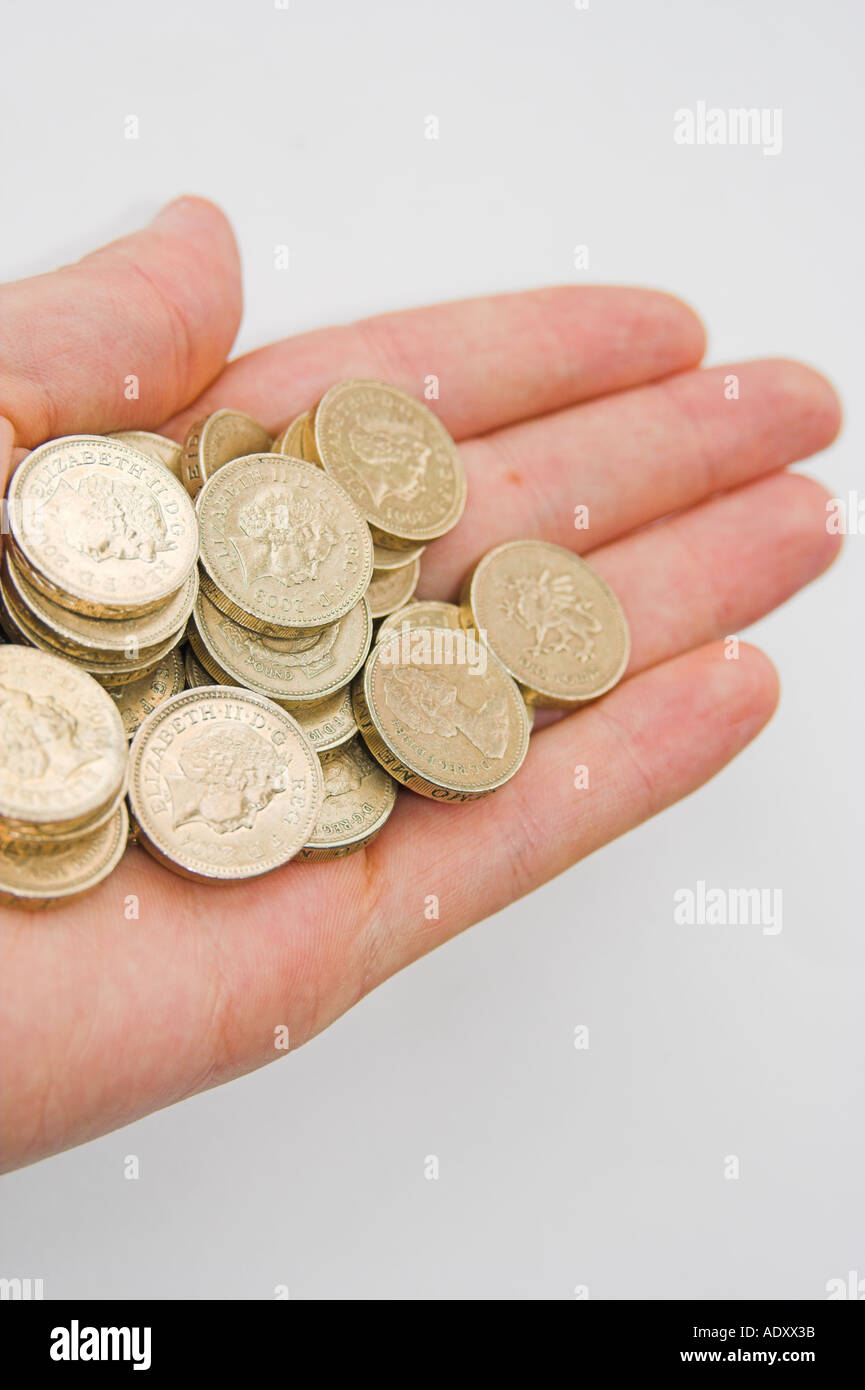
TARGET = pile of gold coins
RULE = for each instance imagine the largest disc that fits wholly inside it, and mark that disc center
(216, 602)
(63, 778)
(99, 565)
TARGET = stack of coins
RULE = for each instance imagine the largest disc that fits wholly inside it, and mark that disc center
(447, 697)
(284, 725)
(100, 567)
(63, 767)
(295, 564)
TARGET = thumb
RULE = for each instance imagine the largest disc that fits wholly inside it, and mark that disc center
(125, 337)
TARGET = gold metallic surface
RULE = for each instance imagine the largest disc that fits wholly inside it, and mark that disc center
(37, 877)
(62, 744)
(327, 723)
(100, 639)
(157, 446)
(423, 613)
(215, 440)
(282, 670)
(358, 798)
(142, 696)
(551, 619)
(438, 721)
(103, 528)
(283, 543)
(394, 457)
(223, 784)
(383, 558)
(391, 589)
(297, 440)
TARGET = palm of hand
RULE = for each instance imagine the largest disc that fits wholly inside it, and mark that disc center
(560, 399)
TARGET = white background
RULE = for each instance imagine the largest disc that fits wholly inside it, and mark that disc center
(559, 1167)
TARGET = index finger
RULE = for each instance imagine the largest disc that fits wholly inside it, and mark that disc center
(479, 363)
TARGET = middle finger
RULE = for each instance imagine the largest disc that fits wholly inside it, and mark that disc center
(632, 458)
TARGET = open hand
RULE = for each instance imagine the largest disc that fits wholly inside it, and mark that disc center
(559, 398)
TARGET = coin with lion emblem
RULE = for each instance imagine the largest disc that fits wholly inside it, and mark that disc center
(551, 619)
(223, 784)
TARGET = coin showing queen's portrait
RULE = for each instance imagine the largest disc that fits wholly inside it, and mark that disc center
(62, 744)
(103, 529)
(441, 714)
(223, 784)
(394, 457)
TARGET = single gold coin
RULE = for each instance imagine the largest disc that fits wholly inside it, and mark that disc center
(441, 714)
(394, 457)
(62, 744)
(391, 589)
(223, 784)
(297, 440)
(423, 613)
(142, 696)
(216, 440)
(327, 723)
(37, 876)
(157, 446)
(103, 528)
(550, 618)
(98, 638)
(358, 798)
(283, 543)
(386, 559)
(285, 671)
